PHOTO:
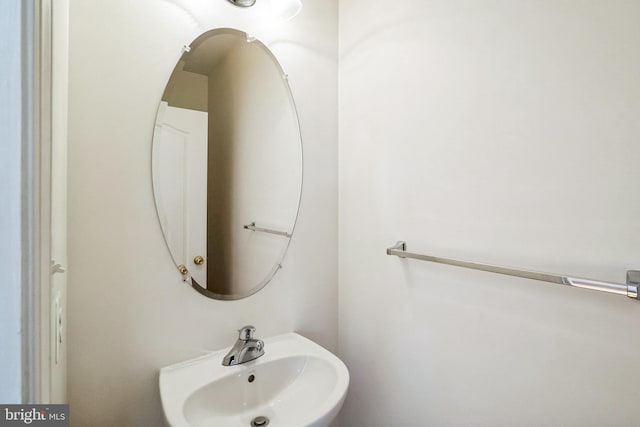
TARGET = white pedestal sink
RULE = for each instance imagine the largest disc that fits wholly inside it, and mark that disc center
(296, 383)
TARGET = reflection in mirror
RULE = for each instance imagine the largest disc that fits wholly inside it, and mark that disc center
(227, 164)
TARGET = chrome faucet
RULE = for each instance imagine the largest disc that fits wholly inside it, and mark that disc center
(245, 349)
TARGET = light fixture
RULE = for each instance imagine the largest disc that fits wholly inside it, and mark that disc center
(243, 3)
(280, 10)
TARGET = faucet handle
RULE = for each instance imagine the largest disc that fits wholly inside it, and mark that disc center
(246, 332)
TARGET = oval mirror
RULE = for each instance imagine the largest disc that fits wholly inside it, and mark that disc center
(227, 164)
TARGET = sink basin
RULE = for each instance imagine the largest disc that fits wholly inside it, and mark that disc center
(296, 383)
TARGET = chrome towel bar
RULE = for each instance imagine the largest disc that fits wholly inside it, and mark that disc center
(629, 289)
(253, 227)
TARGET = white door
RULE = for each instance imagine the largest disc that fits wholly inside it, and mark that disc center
(180, 184)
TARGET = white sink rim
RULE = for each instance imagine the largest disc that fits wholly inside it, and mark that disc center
(178, 382)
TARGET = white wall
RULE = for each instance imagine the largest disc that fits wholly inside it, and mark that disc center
(10, 210)
(503, 132)
(129, 312)
(255, 169)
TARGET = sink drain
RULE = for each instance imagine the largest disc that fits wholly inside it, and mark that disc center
(259, 421)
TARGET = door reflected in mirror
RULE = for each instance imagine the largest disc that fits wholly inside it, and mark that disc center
(227, 164)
